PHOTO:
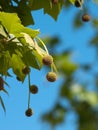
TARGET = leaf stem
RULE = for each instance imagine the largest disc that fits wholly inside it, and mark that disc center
(29, 91)
(43, 44)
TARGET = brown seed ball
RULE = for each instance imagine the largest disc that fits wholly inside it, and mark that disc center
(26, 70)
(29, 112)
(47, 60)
(51, 76)
(33, 89)
(86, 18)
(1, 84)
(54, 1)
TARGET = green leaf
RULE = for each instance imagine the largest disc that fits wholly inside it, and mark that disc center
(65, 65)
(17, 65)
(30, 60)
(54, 9)
(72, 1)
(96, 1)
(4, 63)
(24, 12)
(49, 8)
(83, 95)
(77, 20)
(38, 58)
(14, 26)
(13, 46)
(2, 32)
(38, 4)
(2, 104)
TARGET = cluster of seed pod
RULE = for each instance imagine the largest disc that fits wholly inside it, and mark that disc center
(33, 89)
(86, 16)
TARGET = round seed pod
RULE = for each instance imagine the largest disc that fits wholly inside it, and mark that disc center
(26, 70)
(51, 76)
(47, 60)
(54, 1)
(28, 112)
(1, 84)
(33, 89)
(86, 18)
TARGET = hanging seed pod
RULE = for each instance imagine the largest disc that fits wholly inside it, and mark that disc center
(29, 112)
(86, 18)
(33, 89)
(47, 60)
(51, 76)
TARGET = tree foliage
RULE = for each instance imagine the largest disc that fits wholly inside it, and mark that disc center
(20, 48)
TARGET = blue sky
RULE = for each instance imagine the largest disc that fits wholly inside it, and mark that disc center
(16, 103)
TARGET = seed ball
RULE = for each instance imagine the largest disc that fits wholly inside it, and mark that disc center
(1, 84)
(47, 60)
(51, 76)
(54, 1)
(28, 112)
(85, 18)
(33, 89)
(26, 70)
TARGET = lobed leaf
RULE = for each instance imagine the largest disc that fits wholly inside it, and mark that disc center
(14, 26)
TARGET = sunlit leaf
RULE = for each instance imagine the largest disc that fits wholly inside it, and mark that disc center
(72, 1)
(30, 60)
(14, 26)
(2, 32)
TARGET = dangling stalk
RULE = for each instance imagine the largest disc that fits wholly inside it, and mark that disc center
(53, 67)
(43, 44)
(29, 91)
